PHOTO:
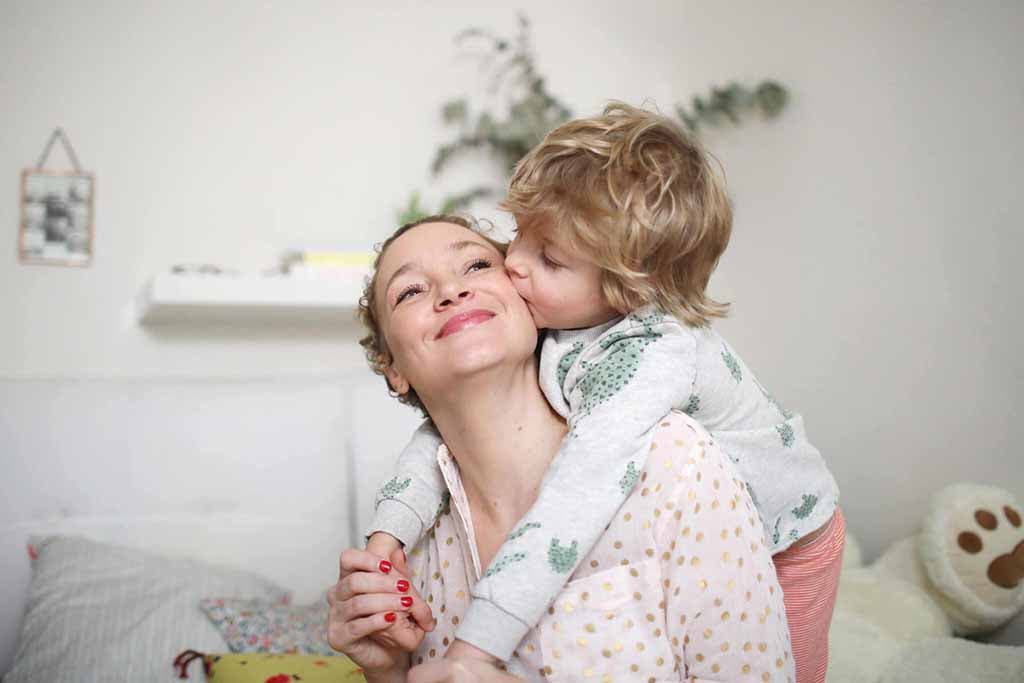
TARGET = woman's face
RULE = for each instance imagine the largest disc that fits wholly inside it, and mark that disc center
(447, 308)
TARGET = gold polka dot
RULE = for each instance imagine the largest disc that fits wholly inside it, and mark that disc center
(582, 642)
(746, 668)
(695, 561)
(692, 495)
(703, 583)
(445, 564)
(530, 648)
(660, 661)
(686, 531)
(589, 628)
(743, 616)
(747, 646)
(433, 652)
(617, 647)
(455, 620)
(725, 647)
(699, 537)
(618, 545)
(762, 647)
(649, 552)
(681, 560)
(593, 564)
(584, 595)
(606, 653)
(699, 657)
(778, 663)
(682, 619)
(568, 607)
(641, 647)
(645, 491)
(634, 668)
(637, 596)
(714, 504)
(607, 586)
(449, 540)
(718, 602)
(715, 668)
(556, 653)
(696, 508)
(588, 672)
(666, 556)
(725, 616)
(765, 677)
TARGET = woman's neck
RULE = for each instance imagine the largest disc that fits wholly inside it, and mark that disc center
(503, 434)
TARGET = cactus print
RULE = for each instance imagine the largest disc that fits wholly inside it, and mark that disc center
(629, 479)
(562, 558)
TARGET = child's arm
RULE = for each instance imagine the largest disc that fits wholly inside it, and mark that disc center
(408, 504)
(617, 390)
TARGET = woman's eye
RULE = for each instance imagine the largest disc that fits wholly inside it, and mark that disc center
(479, 264)
(408, 292)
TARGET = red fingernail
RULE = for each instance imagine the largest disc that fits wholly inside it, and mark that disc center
(406, 601)
(390, 617)
(402, 586)
(384, 566)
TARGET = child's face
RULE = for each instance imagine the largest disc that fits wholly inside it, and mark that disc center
(561, 288)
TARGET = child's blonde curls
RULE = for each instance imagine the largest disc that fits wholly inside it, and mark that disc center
(640, 198)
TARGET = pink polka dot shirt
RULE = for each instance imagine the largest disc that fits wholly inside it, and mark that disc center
(680, 586)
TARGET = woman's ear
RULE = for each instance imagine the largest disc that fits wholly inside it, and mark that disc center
(396, 380)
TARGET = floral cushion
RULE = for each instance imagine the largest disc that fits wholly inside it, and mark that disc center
(264, 626)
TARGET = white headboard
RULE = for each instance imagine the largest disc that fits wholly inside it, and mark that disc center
(266, 475)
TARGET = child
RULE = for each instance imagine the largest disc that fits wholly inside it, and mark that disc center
(621, 221)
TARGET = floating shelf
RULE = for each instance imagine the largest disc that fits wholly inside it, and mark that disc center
(171, 298)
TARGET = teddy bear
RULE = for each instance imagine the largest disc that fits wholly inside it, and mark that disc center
(962, 574)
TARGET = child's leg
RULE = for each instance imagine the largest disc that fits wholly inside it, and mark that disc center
(809, 576)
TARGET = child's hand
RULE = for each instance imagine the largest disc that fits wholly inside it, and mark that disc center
(459, 671)
(382, 545)
(460, 649)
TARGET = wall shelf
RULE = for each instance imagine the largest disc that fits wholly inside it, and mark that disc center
(171, 298)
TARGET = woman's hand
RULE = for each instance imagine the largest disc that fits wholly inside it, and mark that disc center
(460, 671)
(375, 612)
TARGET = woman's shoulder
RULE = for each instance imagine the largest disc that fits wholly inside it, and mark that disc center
(686, 470)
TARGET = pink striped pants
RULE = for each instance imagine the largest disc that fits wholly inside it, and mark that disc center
(809, 576)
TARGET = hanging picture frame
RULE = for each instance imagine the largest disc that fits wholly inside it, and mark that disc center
(57, 209)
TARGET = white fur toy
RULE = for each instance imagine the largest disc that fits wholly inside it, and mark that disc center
(963, 574)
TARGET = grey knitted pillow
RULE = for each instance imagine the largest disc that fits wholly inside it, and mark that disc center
(100, 612)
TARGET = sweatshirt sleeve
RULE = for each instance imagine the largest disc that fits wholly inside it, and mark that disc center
(408, 504)
(617, 389)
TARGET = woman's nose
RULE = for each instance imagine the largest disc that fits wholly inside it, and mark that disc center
(452, 295)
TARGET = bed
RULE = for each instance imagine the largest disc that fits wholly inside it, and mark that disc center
(242, 490)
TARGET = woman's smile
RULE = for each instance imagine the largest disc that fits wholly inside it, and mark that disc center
(459, 322)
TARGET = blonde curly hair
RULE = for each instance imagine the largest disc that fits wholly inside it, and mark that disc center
(641, 198)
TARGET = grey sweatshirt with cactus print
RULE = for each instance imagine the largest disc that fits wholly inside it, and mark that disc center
(613, 384)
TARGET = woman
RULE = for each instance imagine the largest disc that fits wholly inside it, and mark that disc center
(679, 586)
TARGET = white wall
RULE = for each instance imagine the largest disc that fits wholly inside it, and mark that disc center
(877, 220)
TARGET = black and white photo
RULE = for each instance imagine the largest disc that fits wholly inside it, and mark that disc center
(56, 218)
